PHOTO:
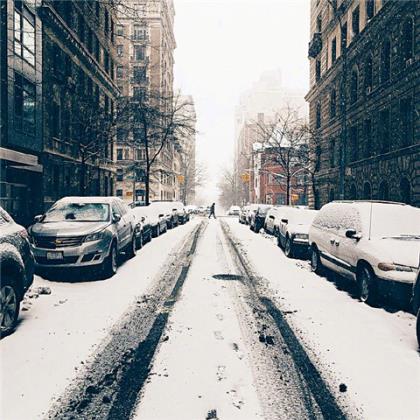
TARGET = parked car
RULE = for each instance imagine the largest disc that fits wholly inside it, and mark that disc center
(157, 220)
(243, 215)
(169, 212)
(84, 231)
(416, 303)
(272, 219)
(143, 225)
(234, 211)
(16, 269)
(293, 231)
(257, 219)
(367, 241)
(252, 209)
(183, 215)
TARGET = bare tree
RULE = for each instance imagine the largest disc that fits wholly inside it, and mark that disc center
(285, 143)
(228, 187)
(154, 123)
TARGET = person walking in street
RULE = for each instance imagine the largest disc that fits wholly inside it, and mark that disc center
(212, 211)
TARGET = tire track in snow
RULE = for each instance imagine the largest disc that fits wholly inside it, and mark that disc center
(303, 380)
(112, 382)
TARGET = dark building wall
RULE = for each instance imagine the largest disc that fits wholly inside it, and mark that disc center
(380, 162)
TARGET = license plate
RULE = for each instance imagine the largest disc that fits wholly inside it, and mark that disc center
(57, 255)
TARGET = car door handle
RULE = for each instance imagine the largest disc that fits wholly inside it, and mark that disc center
(337, 243)
(332, 240)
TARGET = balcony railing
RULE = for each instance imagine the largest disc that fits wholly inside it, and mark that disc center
(315, 45)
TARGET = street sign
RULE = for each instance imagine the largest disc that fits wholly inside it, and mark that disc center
(181, 179)
(245, 177)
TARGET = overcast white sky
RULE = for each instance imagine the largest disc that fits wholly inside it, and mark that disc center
(223, 46)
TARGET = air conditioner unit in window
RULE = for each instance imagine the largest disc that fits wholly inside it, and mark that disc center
(409, 62)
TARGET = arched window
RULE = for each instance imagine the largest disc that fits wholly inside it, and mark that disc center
(368, 74)
(332, 154)
(333, 103)
(386, 61)
(354, 85)
(318, 115)
(405, 191)
(353, 192)
(367, 191)
(407, 39)
(383, 191)
(332, 194)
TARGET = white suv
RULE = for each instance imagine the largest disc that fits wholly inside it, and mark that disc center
(367, 241)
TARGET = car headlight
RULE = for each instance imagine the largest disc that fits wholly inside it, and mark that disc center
(301, 236)
(97, 236)
(394, 267)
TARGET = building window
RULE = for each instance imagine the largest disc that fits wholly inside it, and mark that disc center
(353, 192)
(24, 38)
(126, 153)
(332, 154)
(384, 131)
(120, 175)
(407, 39)
(406, 120)
(354, 86)
(331, 194)
(367, 191)
(139, 33)
(119, 193)
(318, 116)
(386, 61)
(343, 35)
(333, 103)
(139, 53)
(354, 144)
(25, 96)
(367, 131)
(120, 30)
(138, 93)
(120, 50)
(119, 154)
(318, 153)
(139, 74)
(319, 24)
(368, 75)
(333, 50)
(383, 193)
(355, 21)
(370, 9)
(318, 70)
(405, 191)
(120, 72)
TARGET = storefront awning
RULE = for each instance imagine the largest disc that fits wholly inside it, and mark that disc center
(21, 160)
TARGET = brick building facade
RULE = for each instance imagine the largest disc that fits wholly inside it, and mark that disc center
(364, 102)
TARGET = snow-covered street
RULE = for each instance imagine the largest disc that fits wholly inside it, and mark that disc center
(209, 321)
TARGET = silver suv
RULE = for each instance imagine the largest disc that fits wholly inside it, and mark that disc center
(84, 231)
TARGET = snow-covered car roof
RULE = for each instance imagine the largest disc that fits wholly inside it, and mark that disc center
(88, 199)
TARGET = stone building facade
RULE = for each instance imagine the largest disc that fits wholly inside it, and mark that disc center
(20, 109)
(364, 99)
(145, 47)
(79, 96)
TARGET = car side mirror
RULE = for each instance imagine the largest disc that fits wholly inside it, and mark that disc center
(161, 215)
(38, 218)
(116, 217)
(352, 234)
(271, 217)
(285, 221)
(143, 219)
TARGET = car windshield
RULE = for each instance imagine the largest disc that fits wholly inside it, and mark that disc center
(78, 212)
(395, 221)
(302, 217)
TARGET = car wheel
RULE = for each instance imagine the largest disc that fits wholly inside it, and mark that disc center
(111, 264)
(365, 283)
(316, 265)
(9, 306)
(288, 248)
(132, 247)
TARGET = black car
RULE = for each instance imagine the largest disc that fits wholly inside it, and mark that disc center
(416, 303)
(17, 270)
(257, 218)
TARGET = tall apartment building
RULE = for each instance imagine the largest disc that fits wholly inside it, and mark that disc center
(145, 46)
(20, 109)
(364, 99)
(79, 94)
(261, 104)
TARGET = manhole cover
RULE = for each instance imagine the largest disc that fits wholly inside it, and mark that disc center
(227, 277)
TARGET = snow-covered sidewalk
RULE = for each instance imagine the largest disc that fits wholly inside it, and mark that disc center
(202, 370)
(373, 352)
(61, 330)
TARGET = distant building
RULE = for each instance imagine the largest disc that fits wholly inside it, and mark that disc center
(261, 104)
(21, 142)
(145, 47)
(364, 99)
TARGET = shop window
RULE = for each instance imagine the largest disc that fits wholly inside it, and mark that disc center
(24, 33)
(405, 191)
